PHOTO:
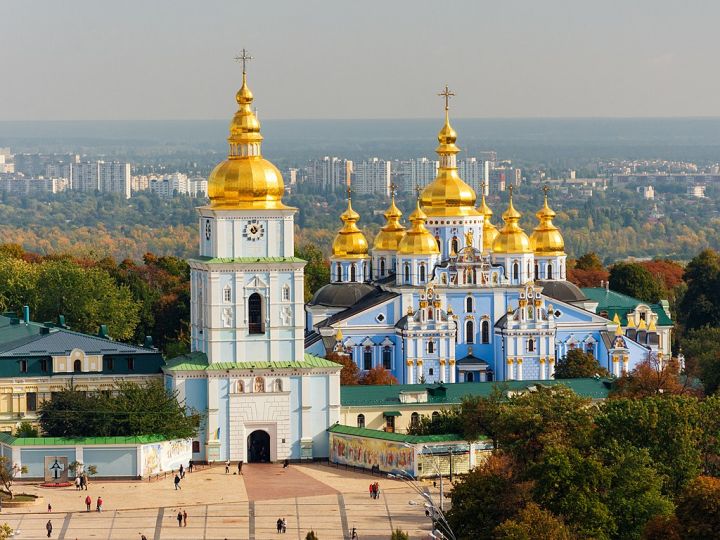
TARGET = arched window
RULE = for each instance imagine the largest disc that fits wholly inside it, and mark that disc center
(77, 366)
(387, 357)
(531, 345)
(365, 271)
(469, 332)
(454, 245)
(537, 271)
(353, 271)
(431, 314)
(437, 240)
(361, 420)
(469, 376)
(435, 416)
(516, 270)
(485, 332)
(469, 304)
(431, 347)
(255, 318)
(422, 273)
(338, 272)
(407, 273)
(367, 358)
(414, 419)
(227, 294)
(549, 271)
(382, 266)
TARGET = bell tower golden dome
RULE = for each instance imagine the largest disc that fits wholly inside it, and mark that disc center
(350, 242)
(418, 240)
(511, 238)
(448, 195)
(546, 238)
(389, 236)
(245, 180)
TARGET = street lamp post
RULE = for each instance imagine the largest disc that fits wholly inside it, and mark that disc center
(442, 525)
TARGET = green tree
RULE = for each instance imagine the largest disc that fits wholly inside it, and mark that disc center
(26, 429)
(481, 416)
(698, 509)
(399, 534)
(18, 284)
(589, 261)
(578, 364)
(446, 421)
(533, 523)
(317, 269)
(700, 305)
(636, 281)
(701, 347)
(88, 297)
(9, 471)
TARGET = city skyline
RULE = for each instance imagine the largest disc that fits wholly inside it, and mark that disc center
(84, 61)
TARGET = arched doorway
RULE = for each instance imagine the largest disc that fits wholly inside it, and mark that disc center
(258, 447)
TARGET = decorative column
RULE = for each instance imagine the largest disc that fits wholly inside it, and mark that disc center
(551, 367)
(625, 363)
(542, 369)
(518, 370)
(409, 371)
(451, 369)
(419, 369)
(510, 370)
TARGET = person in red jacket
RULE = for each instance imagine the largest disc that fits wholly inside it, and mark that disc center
(88, 502)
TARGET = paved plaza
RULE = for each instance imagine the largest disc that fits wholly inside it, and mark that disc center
(328, 500)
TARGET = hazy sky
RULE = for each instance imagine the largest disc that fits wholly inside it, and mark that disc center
(173, 59)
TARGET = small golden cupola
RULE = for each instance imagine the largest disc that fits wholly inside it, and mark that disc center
(490, 233)
(511, 238)
(417, 239)
(350, 242)
(389, 236)
(245, 180)
(448, 194)
(546, 238)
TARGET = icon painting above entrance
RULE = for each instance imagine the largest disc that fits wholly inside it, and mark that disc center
(258, 445)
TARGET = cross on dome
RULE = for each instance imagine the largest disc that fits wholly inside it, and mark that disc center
(244, 57)
(447, 94)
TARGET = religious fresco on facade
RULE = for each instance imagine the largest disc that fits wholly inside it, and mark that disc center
(166, 456)
(361, 452)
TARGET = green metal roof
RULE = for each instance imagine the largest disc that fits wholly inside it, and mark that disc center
(396, 437)
(392, 413)
(80, 441)
(389, 395)
(197, 361)
(620, 304)
(227, 260)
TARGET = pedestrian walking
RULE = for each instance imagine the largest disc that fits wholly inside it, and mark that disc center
(179, 518)
(284, 525)
(377, 489)
(182, 471)
(177, 482)
(184, 518)
(370, 489)
(286, 463)
(240, 466)
(88, 502)
(142, 536)
(49, 507)
(99, 504)
(227, 467)
(84, 481)
(48, 528)
(78, 483)
(190, 465)
(279, 525)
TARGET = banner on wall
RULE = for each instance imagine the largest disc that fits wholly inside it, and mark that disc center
(361, 452)
(166, 456)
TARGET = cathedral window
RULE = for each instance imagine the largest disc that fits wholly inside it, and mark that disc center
(431, 372)
(469, 304)
(431, 314)
(286, 293)
(361, 420)
(353, 272)
(431, 347)
(469, 377)
(469, 332)
(338, 272)
(549, 271)
(387, 357)
(485, 332)
(255, 322)
(407, 273)
(365, 271)
(382, 266)
(516, 271)
(422, 273)
(227, 294)
(537, 271)
(531, 345)
(437, 240)
(367, 358)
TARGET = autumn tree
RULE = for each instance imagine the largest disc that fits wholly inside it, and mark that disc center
(589, 261)
(578, 364)
(636, 281)
(698, 509)
(654, 376)
(349, 374)
(533, 523)
(378, 376)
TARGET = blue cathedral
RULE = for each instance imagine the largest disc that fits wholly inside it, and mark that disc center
(450, 297)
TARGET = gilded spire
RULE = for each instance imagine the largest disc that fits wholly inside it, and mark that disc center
(350, 242)
(448, 195)
(418, 240)
(546, 238)
(489, 231)
(245, 180)
(388, 238)
(511, 238)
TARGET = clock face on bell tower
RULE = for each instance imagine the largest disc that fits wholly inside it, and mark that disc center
(254, 230)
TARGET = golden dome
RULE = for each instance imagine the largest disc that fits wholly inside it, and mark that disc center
(245, 180)
(511, 238)
(448, 195)
(490, 233)
(390, 235)
(350, 242)
(546, 238)
(418, 240)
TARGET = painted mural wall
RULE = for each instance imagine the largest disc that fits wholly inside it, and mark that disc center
(165, 456)
(361, 452)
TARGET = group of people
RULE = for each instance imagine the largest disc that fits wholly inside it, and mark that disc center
(281, 525)
(227, 466)
(374, 490)
(182, 518)
(98, 504)
(81, 482)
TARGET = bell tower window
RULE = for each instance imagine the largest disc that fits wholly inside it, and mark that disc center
(353, 271)
(485, 332)
(338, 272)
(255, 323)
(469, 332)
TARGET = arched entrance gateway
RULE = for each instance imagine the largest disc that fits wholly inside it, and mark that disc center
(258, 447)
